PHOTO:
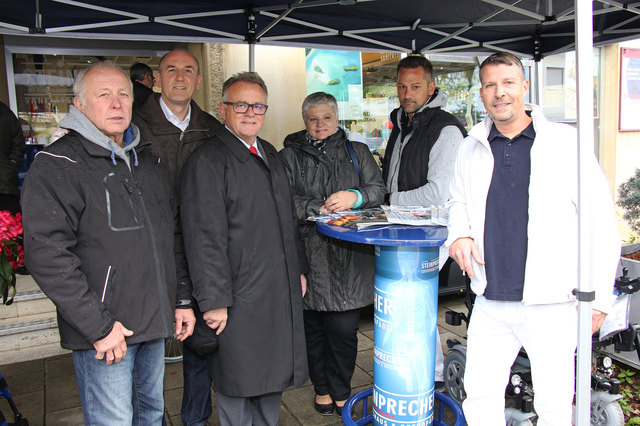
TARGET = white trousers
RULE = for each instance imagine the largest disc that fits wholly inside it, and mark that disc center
(496, 332)
(439, 373)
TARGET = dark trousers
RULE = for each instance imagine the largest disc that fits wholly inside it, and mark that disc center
(196, 396)
(332, 346)
(261, 410)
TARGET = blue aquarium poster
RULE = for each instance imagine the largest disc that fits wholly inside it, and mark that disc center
(338, 73)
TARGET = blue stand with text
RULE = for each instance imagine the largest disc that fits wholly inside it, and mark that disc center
(405, 314)
(405, 318)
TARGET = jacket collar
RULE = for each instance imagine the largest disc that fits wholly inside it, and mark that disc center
(398, 115)
(152, 113)
(298, 140)
(102, 152)
(236, 147)
(480, 131)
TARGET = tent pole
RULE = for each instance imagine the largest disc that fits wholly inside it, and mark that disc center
(538, 87)
(584, 71)
(252, 57)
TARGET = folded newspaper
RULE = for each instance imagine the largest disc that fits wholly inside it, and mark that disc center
(416, 215)
(386, 215)
(358, 219)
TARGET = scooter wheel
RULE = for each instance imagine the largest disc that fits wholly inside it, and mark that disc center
(454, 375)
(609, 414)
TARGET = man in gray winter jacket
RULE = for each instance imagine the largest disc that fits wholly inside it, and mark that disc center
(421, 151)
(422, 148)
(99, 241)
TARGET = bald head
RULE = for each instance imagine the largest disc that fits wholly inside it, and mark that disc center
(178, 78)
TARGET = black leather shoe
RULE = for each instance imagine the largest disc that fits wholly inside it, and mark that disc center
(324, 409)
(339, 410)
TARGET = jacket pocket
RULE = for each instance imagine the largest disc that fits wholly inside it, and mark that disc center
(107, 288)
(243, 283)
(121, 197)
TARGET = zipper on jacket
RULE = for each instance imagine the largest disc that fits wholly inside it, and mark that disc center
(182, 133)
(106, 283)
(161, 291)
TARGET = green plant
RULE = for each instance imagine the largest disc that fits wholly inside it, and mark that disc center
(630, 393)
(627, 396)
(629, 200)
(626, 376)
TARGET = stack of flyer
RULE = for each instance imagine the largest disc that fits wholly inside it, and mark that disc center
(358, 219)
(386, 215)
(416, 215)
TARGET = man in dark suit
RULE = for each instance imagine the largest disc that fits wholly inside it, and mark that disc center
(245, 259)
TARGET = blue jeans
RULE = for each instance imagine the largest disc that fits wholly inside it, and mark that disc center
(127, 393)
(196, 397)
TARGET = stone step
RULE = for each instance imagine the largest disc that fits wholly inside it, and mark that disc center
(29, 304)
(28, 327)
(28, 295)
(27, 340)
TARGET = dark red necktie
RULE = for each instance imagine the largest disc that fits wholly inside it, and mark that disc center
(253, 149)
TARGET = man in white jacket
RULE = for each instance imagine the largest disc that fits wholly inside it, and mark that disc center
(513, 203)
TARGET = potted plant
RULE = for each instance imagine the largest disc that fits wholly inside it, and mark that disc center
(11, 254)
(629, 200)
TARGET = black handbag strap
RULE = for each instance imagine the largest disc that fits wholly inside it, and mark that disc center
(354, 159)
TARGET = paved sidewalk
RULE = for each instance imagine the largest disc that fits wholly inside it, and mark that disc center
(45, 390)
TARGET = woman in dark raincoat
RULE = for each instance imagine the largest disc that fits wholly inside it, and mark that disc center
(324, 178)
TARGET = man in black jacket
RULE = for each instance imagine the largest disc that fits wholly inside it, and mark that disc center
(99, 241)
(421, 151)
(246, 260)
(141, 76)
(176, 126)
(11, 156)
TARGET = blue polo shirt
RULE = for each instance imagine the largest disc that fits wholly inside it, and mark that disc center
(507, 215)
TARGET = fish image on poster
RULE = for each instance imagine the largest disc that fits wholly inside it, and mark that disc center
(405, 318)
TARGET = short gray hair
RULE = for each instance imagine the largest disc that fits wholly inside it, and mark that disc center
(78, 84)
(244, 77)
(319, 98)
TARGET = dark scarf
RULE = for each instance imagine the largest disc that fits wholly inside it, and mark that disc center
(318, 144)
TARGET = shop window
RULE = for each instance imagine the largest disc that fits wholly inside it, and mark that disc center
(364, 85)
(44, 92)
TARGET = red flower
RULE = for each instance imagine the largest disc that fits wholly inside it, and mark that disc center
(11, 253)
(10, 229)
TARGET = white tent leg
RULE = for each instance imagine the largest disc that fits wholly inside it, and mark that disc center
(584, 70)
(538, 88)
(252, 57)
